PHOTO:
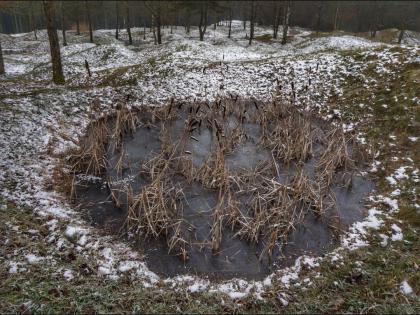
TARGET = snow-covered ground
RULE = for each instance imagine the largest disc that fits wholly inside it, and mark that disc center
(39, 118)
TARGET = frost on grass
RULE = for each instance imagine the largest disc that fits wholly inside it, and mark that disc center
(397, 234)
(13, 267)
(36, 117)
(392, 203)
(33, 259)
(384, 241)
(405, 288)
(68, 275)
(356, 237)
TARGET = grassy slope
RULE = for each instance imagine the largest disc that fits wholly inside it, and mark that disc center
(367, 281)
(374, 286)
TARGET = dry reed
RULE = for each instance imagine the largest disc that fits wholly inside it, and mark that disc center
(275, 209)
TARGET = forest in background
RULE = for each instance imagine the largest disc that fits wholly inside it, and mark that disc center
(352, 16)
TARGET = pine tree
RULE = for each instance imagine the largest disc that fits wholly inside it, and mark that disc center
(63, 26)
(58, 77)
(89, 21)
(286, 22)
(127, 8)
(1, 61)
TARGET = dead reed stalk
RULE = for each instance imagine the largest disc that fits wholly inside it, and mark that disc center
(155, 208)
(335, 157)
(126, 122)
(274, 209)
(91, 158)
(291, 139)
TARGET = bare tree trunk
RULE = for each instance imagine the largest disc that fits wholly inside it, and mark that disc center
(89, 22)
(1, 61)
(187, 26)
(77, 27)
(252, 22)
(374, 25)
(244, 25)
(144, 31)
(158, 26)
(401, 35)
(105, 15)
(230, 21)
(16, 23)
(130, 39)
(359, 19)
(32, 21)
(286, 22)
(337, 12)
(87, 68)
(373, 33)
(156, 22)
(187, 20)
(153, 28)
(373, 30)
(276, 21)
(58, 76)
(215, 22)
(21, 26)
(117, 24)
(203, 20)
(63, 28)
(318, 22)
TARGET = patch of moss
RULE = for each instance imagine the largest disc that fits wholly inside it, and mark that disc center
(152, 62)
(266, 38)
(181, 48)
(116, 77)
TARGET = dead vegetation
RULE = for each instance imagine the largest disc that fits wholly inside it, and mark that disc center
(156, 210)
(291, 139)
(91, 158)
(126, 122)
(274, 209)
(335, 157)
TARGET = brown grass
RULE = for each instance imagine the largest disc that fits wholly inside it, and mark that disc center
(290, 137)
(275, 209)
(335, 157)
(91, 158)
(126, 122)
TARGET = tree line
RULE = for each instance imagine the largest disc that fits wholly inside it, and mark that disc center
(354, 16)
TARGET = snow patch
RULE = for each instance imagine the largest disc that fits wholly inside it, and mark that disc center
(198, 286)
(391, 180)
(68, 275)
(13, 267)
(33, 259)
(397, 233)
(392, 203)
(405, 288)
(384, 241)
